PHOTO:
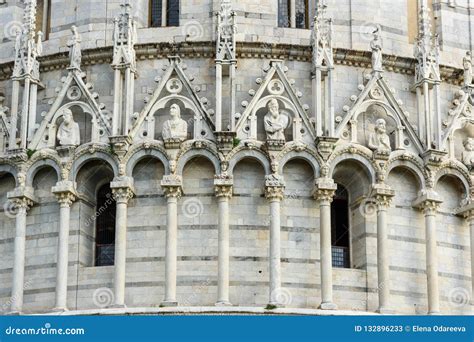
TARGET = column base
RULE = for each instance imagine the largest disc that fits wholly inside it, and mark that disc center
(167, 303)
(13, 313)
(223, 303)
(60, 309)
(117, 306)
(328, 306)
(434, 313)
(385, 311)
(273, 305)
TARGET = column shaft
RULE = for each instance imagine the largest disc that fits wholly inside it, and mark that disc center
(471, 228)
(326, 254)
(120, 253)
(275, 263)
(171, 252)
(14, 114)
(218, 97)
(63, 257)
(382, 260)
(432, 262)
(19, 261)
(223, 258)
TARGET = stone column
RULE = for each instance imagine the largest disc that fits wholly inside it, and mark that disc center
(122, 190)
(66, 195)
(22, 199)
(383, 196)
(172, 187)
(274, 187)
(324, 193)
(218, 96)
(429, 202)
(468, 212)
(223, 189)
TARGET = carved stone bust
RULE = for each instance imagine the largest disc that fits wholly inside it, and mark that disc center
(379, 141)
(468, 153)
(68, 131)
(275, 122)
(175, 128)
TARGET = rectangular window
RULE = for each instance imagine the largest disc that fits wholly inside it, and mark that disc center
(156, 7)
(301, 14)
(43, 15)
(172, 18)
(283, 13)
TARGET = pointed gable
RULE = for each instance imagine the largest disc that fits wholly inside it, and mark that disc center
(276, 85)
(377, 92)
(74, 92)
(174, 87)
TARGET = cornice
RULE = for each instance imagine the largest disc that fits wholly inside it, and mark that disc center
(357, 58)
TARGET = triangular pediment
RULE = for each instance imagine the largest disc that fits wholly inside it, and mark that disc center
(377, 96)
(174, 87)
(459, 115)
(74, 93)
(276, 85)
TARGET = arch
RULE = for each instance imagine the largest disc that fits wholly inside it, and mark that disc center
(98, 155)
(364, 162)
(40, 164)
(252, 154)
(367, 103)
(191, 154)
(137, 156)
(308, 157)
(449, 171)
(7, 168)
(411, 167)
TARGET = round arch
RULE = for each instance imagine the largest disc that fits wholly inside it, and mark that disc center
(364, 162)
(40, 164)
(448, 171)
(293, 155)
(10, 169)
(194, 153)
(79, 162)
(411, 167)
(251, 154)
(136, 157)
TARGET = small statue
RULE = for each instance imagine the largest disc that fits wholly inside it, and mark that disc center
(175, 128)
(75, 54)
(376, 47)
(68, 132)
(275, 123)
(379, 141)
(467, 66)
(467, 155)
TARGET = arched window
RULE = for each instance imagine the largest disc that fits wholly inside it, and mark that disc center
(105, 227)
(164, 13)
(340, 228)
(293, 13)
(43, 17)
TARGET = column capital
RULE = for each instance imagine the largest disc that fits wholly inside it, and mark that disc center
(65, 192)
(122, 189)
(22, 197)
(274, 187)
(467, 211)
(324, 189)
(383, 194)
(428, 201)
(223, 185)
(172, 186)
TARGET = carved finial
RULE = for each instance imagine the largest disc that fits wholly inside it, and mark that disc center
(226, 30)
(376, 46)
(125, 38)
(321, 38)
(75, 54)
(426, 49)
(26, 49)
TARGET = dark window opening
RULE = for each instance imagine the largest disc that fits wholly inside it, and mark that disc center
(105, 227)
(283, 13)
(340, 228)
(156, 7)
(172, 15)
(301, 14)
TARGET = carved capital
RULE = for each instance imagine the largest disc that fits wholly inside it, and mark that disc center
(382, 195)
(65, 199)
(428, 201)
(122, 195)
(324, 189)
(223, 185)
(172, 191)
(274, 192)
(21, 198)
(21, 203)
(172, 186)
